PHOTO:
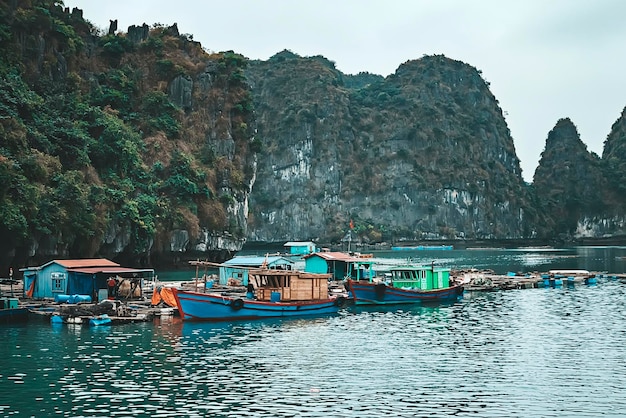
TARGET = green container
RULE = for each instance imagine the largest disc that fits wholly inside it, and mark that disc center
(8, 303)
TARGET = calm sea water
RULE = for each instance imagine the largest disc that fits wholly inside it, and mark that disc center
(519, 353)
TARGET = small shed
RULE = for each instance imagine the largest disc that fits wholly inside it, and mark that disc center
(340, 265)
(79, 277)
(300, 247)
(237, 267)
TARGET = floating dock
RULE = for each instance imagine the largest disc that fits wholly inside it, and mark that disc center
(487, 280)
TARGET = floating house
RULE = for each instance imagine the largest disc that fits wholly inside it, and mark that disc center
(88, 277)
(300, 248)
(340, 265)
(237, 267)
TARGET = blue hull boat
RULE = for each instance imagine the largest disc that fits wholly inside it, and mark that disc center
(10, 316)
(214, 307)
(272, 293)
(407, 284)
(10, 312)
(369, 293)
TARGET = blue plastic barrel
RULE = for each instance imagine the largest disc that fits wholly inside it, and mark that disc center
(79, 299)
(61, 298)
(275, 297)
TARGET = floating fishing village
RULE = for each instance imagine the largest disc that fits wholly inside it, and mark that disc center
(301, 282)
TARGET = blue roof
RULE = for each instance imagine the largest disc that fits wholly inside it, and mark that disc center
(299, 244)
(256, 261)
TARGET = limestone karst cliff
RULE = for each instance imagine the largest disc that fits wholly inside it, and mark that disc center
(143, 146)
(569, 181)
(581, 194)
(423, 153)
(123, 145)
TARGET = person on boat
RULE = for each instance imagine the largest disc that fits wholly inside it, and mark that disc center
(112, 287)
(250, 290)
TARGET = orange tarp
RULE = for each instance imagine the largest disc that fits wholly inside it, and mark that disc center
(31, 289)
(166, 295)
(156, 297)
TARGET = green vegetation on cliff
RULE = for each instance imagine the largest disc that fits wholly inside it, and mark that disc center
(126, 145)
(109, 143)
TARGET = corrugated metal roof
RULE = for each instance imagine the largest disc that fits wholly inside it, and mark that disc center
(298, 243)
(335, 256)
(87, 262)
(109, 270)
(68, 264)
(255, 261)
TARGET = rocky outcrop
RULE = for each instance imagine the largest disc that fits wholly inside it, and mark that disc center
(606, 216)
(146, 148)
(423, 153)
(142, 143)
(598, 227)
(570, 184)
(614, 157)
(180, 91)
(138, 34)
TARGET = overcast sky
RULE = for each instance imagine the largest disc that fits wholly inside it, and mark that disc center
(544, 59)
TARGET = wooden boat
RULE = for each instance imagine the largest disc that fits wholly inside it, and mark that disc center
(275, 293)
(10, 312)
(407, 284)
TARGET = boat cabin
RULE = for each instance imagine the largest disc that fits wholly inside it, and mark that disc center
(288, 285)
(236, 269)
(419, 277)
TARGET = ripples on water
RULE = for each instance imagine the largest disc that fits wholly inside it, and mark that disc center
(539, 352)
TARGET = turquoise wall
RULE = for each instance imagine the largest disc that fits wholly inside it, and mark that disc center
(315, 264)
(235, 273)
(44, 286)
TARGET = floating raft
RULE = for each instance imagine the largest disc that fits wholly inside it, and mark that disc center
(100, 320)
(486, 280)
(423, 247)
